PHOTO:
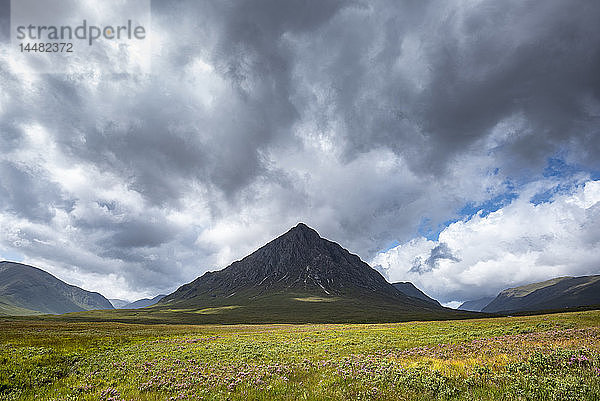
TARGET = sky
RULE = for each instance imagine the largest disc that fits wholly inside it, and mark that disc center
(452, 144)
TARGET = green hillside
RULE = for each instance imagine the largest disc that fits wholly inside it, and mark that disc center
(26, 290)
(561, 292)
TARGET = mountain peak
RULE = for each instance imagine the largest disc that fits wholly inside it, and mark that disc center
(300, 276)
(299, 261)
(301, 233)
(302, 226)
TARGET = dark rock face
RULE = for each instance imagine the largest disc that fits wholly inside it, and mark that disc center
(29, 288)
(299, 261)
(558, 293)
(409, 289)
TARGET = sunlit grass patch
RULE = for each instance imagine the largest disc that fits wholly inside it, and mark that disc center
(316, 299)
(216, 310)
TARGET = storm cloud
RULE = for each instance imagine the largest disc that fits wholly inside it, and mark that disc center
(377, 123)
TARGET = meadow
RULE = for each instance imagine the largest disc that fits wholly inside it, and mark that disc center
(544, 357)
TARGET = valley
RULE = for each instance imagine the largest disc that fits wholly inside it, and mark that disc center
(545, 357)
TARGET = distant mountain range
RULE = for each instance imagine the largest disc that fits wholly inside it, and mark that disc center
(476, 305)
(140, 303)
(297, 277)
(27, 290)
(118, 303)
(557, 293)
(301, 277)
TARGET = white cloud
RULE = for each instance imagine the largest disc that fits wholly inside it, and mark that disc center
(370, 124)
(520, 243)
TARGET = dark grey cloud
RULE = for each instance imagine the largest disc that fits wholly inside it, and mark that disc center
(140, 234)
(27, 195)
(4, 20)
(477, 66)
(363, 119)
(440, 252)
(522, 59)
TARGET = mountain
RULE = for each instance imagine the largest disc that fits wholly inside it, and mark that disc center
(299, 277)
(142, 303)
(558, 293)
(409, 289)
(118, 303)
(27, 290)
(476, 305)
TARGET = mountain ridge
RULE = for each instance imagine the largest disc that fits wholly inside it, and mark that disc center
(28, 290)
(408, 288)
(142, 303)
(297, 260)
(300, 277)
(556, 293)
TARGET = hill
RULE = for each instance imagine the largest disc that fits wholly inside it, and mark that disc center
(299, 277)
(118, 303)
(409, 289)
(27, 290)
(476, 305)
(142, 303)
(561, 292)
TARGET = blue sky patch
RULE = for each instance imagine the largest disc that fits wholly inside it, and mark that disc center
(10, 256)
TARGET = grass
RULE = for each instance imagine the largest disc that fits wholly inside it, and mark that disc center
(543, 357)
(316, 299)
(7, 309)
(297, 308)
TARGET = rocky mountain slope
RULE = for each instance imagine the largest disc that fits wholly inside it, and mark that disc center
(300, 276)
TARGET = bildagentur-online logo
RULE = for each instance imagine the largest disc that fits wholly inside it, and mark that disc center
(85, 31)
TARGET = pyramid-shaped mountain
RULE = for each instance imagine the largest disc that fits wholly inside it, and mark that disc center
(299, 277)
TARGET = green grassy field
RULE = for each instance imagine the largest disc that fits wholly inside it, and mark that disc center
(267, 311)
(544, 357)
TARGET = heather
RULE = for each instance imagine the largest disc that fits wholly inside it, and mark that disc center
(546, 357)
